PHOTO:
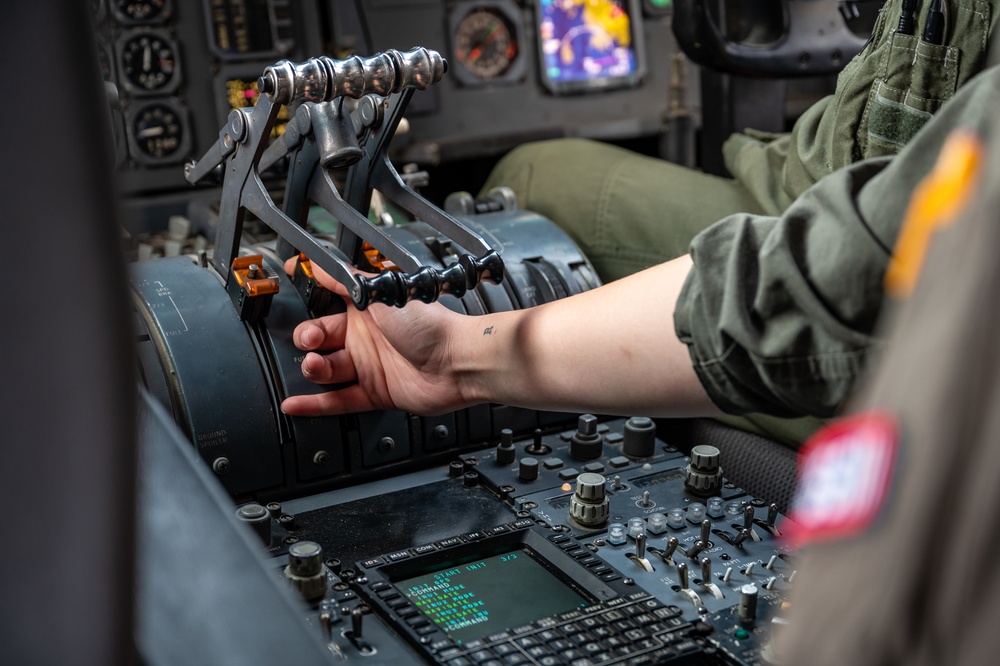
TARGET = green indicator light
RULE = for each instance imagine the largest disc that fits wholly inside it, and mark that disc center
(661, 3)
(742, 634)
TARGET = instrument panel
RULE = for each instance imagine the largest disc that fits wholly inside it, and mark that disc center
(180, 68)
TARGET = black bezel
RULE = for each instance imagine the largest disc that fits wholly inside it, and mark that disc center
(129, 86)
(185, 143)
(549, 555)
(596, 85)
(508, 10)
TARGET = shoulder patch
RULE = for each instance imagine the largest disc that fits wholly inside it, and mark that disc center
(845, 471)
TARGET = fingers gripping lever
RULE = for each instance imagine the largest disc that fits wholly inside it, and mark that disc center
(428, 284)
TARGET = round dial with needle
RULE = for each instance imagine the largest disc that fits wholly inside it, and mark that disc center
(158, 134)
(485, 43)
(149, 62)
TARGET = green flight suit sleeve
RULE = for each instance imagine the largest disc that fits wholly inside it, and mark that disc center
(883, 97)
(780, 313)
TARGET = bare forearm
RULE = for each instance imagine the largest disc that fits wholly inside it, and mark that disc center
(612, 350)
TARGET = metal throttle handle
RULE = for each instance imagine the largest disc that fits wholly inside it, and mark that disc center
(323, 79)
(428, 284)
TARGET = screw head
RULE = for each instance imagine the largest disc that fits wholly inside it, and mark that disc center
(221, 466)
(321, 459)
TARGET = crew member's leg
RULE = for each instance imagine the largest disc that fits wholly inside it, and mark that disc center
(626, 211)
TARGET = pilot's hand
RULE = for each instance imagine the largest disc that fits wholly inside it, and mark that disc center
(389, 358)
(604, 351)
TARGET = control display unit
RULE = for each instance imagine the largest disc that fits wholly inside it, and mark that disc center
(589, 45)
(471, 599)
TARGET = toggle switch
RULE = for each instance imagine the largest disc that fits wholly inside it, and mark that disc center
(639, 557)
(682, 574)
(706, 579)
(537, 447)
(772, 516)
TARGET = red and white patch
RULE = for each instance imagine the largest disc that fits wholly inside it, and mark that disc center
(844, 475)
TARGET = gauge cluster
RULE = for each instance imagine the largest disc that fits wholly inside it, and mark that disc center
(138, 52)
(519, 70)
(179, 68)
(524, 70)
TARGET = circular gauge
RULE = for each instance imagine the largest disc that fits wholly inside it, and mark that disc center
(149, 62)
(158, 134)
(141, 11)
(485, 43)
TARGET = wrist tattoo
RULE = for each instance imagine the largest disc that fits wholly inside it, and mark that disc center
(488, 331)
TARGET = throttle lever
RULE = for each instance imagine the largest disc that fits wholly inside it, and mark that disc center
(428, 284)
(323, 79)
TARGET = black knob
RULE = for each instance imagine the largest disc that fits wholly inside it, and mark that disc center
(306, 571)
(258, 518)
(527, 469)
(505, 449)
(305, 558)
(640, 437)
(586, 441)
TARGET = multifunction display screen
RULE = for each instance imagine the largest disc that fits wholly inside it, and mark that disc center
(471, 600)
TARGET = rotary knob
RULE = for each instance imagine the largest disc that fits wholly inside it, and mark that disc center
(527, 469)
(589, 504)
(306, 571)
(704, 475)
(640, 437)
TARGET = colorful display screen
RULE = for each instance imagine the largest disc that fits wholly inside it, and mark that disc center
(586, 41)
